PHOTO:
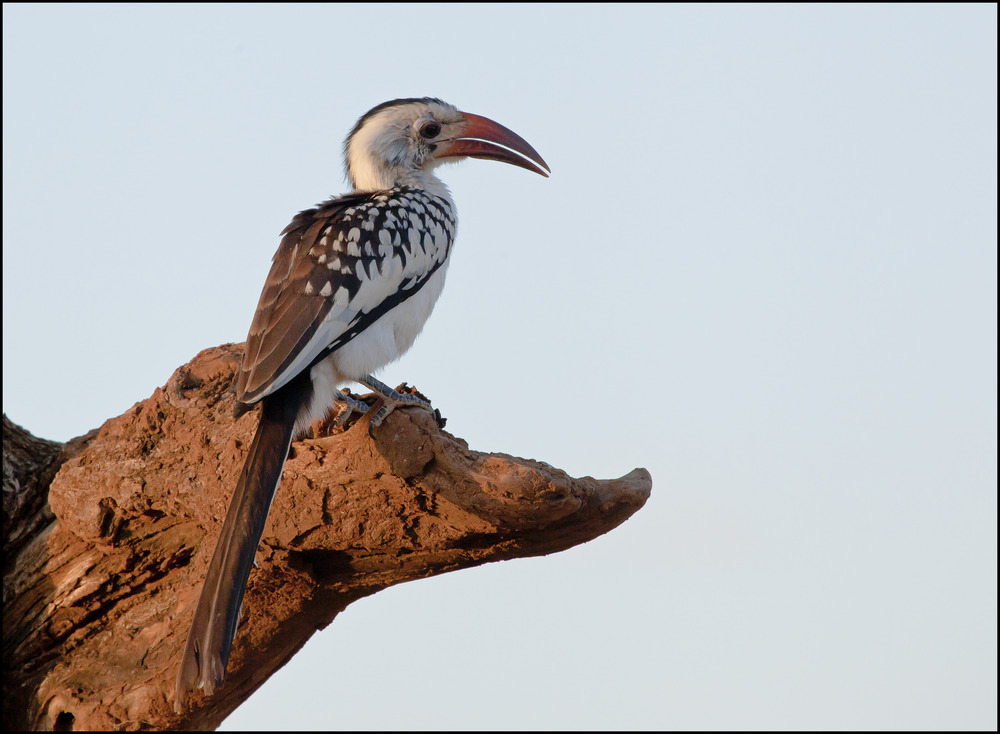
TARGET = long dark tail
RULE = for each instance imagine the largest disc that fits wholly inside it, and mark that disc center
(218, 612)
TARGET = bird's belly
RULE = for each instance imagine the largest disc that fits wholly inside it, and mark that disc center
(383, 342)
(391, 336)
(408, 321)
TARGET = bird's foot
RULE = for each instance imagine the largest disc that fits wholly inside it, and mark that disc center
(391, 399)
(349, 406)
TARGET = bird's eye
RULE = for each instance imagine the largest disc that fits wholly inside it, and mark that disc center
(430, 130)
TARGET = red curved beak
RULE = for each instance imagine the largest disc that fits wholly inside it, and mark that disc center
(483, 138)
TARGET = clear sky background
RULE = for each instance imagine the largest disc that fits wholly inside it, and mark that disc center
(764, 268)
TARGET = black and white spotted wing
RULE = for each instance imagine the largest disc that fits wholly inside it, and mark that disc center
(338, 269)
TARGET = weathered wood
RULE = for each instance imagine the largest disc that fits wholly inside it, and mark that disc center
(106, 541)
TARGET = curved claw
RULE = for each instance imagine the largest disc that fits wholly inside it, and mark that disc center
(350, 407)
(391, 399)
(389, 404)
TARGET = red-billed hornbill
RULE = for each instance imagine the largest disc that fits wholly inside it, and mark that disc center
(350, 287)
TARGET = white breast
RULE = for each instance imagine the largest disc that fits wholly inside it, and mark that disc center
(391, 336)
(383, 342)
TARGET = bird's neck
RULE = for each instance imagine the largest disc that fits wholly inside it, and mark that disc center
(372, 178)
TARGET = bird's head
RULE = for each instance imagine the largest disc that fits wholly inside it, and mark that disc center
(398, 143)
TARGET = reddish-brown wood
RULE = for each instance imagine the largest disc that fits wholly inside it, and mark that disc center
(106, 540)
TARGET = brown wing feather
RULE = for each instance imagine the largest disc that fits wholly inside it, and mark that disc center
(286, 316)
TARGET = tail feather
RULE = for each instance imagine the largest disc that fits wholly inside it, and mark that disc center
(218, 613)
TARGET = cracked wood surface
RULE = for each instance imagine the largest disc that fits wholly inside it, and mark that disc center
(101, 581)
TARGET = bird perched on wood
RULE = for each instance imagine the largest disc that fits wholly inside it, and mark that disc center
(350, 287)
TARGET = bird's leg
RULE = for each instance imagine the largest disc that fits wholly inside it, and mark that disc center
(391, 399)
(350, 406)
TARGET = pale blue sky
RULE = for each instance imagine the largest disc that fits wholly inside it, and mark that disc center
(764, 268)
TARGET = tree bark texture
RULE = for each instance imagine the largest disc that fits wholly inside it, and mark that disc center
(106, 541)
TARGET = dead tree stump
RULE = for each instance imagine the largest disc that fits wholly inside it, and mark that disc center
(107, 537)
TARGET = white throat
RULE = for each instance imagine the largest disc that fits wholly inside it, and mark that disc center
(382, 155)
(370, 173)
